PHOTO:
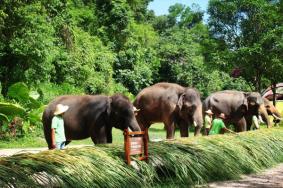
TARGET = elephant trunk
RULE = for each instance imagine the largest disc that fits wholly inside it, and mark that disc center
(198, 120)
(277, 116)
(197, 130)
(134, 126)
(264, 115)
(275, 113)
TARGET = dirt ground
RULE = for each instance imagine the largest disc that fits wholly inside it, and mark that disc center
(9, 152)
(271, 178)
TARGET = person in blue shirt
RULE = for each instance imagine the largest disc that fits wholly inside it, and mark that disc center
(57, 127)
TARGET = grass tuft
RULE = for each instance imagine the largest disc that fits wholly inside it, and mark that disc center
(190, 161)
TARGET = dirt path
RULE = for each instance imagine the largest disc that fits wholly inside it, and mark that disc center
(9, 152)
(271, 178)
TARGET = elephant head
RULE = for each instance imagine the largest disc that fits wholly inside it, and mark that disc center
(187, 103)
(255, 104)
(252, 102)
(121, 113)
(253, 99)
(190, 108)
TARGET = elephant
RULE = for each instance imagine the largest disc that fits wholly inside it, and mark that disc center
(91, 116)
(171, 104)
(271, 110)
(238, 107)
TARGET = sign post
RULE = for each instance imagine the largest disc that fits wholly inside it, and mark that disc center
(136, 143)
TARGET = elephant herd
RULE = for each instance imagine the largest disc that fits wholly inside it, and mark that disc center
(95, 115)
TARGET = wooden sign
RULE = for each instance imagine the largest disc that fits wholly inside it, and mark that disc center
(136, 143)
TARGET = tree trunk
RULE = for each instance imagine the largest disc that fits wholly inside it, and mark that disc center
(258, 81)
(273, 87)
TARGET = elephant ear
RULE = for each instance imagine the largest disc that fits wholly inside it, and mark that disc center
(253, 98)
(181, 101)
(108, 108)
(244, 106)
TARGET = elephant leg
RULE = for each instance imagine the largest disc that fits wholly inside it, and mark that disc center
(249, 120)
(99, 139)
(98, 134)
(170, 129)
(235, 127)
(109, 135)
(241, 125)
(47, 131)
(184, 129)
(68, 142)
(47, 134)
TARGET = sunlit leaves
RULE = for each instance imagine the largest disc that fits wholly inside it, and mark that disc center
(249, 30)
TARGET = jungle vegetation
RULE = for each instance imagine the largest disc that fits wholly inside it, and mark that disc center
(54, 47)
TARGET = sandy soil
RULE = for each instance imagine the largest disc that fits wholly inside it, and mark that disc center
(271, 178)
(9, 152)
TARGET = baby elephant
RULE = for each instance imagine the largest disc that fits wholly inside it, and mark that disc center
(91, 116)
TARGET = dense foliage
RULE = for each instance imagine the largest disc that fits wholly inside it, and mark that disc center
(107, 46)
(119, 46)
(185, 162)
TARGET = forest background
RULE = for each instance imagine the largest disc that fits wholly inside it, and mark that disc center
(55, 47)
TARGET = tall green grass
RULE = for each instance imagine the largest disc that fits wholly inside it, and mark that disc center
(189, 161)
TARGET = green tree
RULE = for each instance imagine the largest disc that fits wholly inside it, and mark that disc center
(114, 17)
(179, 16)
(137, 64)
(252, 32)
(29, 43)
(88, 64)
(181, 58)
(139, 9)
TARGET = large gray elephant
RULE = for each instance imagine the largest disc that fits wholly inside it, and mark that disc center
(92, 116)
(238, 107)
(171, 104)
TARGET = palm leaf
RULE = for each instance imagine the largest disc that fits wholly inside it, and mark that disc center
(35, 115)
(18, 91)
(10, 109)
(34, 94)
(3, 117)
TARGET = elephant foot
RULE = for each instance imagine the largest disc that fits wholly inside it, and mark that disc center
(67, 142)
(170, 139)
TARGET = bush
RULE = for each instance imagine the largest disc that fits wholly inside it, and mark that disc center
(136, 79)
(49, 91)
(218, 80)
(21, 113)
(120, 88)
(1, 96)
